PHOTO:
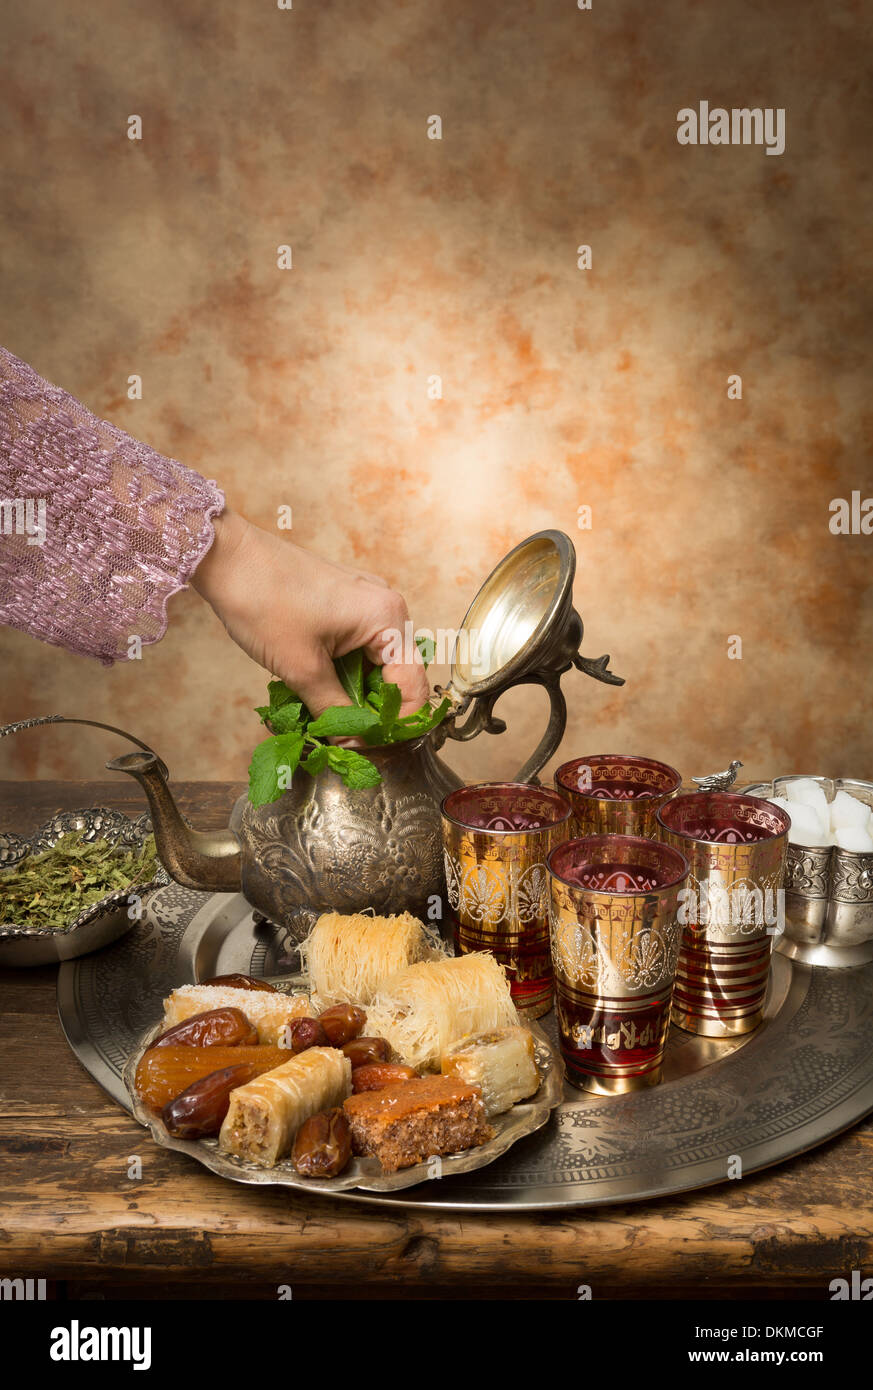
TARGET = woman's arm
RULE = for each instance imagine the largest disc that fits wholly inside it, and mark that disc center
(124, 527)
(119, 528)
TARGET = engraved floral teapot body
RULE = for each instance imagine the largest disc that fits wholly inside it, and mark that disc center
(323, 846)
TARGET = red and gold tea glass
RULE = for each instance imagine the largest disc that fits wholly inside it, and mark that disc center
(615, 947)
(736, 846)
(497, 837)
(616, 794)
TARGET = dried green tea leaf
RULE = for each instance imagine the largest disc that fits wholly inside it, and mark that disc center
(53, 888)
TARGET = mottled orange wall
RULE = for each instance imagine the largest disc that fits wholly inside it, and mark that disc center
(562, 387)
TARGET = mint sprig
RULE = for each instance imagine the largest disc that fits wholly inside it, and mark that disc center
(272, 767)
(355, 770)
(298, 740)
(343, 721)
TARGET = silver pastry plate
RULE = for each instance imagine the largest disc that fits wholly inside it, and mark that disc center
(804, 1076)
(101, 923)
(365, 1173)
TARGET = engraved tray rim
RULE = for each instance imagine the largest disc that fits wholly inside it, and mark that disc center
(366, 1175)
(822, 1033)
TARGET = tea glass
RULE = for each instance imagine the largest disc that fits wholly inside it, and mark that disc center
(615, 948)
(615, 793)
(733, 907)
(497, 837)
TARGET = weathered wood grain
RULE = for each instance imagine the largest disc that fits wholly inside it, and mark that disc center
(70, 1211)
(25, 805)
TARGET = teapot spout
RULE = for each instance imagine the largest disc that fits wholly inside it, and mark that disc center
(210, 860)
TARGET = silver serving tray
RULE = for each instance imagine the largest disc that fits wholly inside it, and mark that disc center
(101, 923)
(365, 1173)
(805, 1075)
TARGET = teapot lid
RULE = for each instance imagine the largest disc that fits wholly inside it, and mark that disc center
(521, 620)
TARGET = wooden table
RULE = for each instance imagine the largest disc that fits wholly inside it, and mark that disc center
(70, 1213)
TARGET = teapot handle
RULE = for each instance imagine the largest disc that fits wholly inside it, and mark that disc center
(63, 719)
(482, 720)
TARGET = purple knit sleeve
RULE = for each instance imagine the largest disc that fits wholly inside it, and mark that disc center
(96, 529)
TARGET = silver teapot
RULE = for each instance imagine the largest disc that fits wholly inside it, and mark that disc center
(322, 846)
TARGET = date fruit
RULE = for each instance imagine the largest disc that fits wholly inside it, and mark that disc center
(240, 982)
(164, 1072)
(378, 1074)
(199, 1111)
(323, 1145)
(215, 1028)
(342, 1023)
(306, 1032)
(360, 1051)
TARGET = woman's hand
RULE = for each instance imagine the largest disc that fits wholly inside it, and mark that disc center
(293, 612)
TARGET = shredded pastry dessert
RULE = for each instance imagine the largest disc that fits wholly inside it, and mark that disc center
(349, 956)
(424, 1008)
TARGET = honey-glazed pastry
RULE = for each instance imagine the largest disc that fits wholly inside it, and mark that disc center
(265, 1115)
(413, 1121)
(501, 1063)
(165, 1072)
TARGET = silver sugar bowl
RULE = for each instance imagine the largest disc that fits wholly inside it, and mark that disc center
(828, 890)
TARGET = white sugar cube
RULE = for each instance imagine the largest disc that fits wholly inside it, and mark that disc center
(806, 826)
(810, 839)
(848, 812)
(811, 804)
(853, 837)
(810, 793)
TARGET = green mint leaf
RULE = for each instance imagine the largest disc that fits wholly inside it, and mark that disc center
(427, 647)
(350, 669)
(290, 747)
(421, 722)
(280, 694)
(272, 765)
(286, 718)
(387, 700)
(263, 777)
(374, 681)
(391, 700)
(342, 721)
(317, 760)
(356, 771)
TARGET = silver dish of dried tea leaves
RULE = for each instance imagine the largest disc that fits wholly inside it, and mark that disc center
(100, 922)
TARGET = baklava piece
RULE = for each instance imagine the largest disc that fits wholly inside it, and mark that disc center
(416, 1120)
